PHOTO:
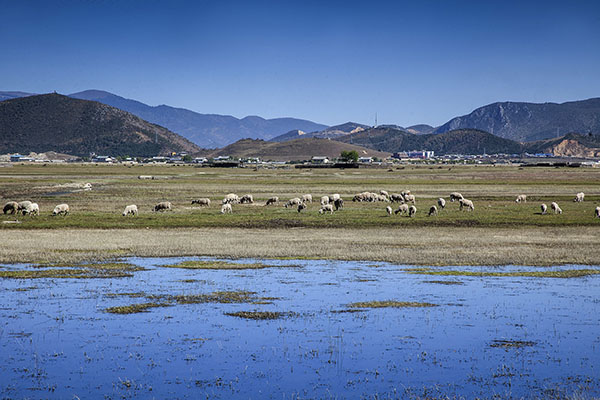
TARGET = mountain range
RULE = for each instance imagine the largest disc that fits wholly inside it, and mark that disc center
(505, 127)
(67, 125)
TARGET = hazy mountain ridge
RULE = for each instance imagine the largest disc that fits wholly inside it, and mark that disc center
(333, 132)
(525, 122)
(54, 122)
(206, 130)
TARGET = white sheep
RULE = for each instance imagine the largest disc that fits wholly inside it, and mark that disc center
(324, 200)
(11, 207)
(395, 197)
(32, 209)
(403, 208)
(334, 197)
(433, 211)
(384, 193)
(203, 202)
(23, 205)
(307, 198)
(163, 206)
(597, 212)
(61, 209)
(441, 202)
(579, 197)
(412, 211)
(455, 196)
(226, 208)
(293, 202)
(466, 203)
(326, 208)
(554, 206)
(231, 198)
(130, 210)
(388, 210)
(410, 198)
(272, 200)
(522, 198)
(544, 209)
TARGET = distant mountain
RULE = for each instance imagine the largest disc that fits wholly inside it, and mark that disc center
(299, 149)
(421, 129)
(206, 130)
(525, 122)
(52, 122)
(462, 141)
(333, 132)
(13, 95)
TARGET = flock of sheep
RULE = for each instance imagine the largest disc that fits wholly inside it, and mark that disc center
(329, 204)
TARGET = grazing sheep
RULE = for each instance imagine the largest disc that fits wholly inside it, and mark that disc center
(61, 209)
(307, 198)
(384, 193)
(579, 197)
(410, 198)
(455, 196)
(433, 211)
(272, 200)
(554, 206)
(293, 202)
(412, 211)
(441, 203)
(388, 210)
(203, 202)
(466, 203)
(522, 198)
(163, 206)
(404, 193)
(87, 186)
(597, 212)
(226, 208)
(130, 210)
(326, 208)
(339, 203)
(334, 197)
(11, 207)
(544, 209)
(402, 209)
(301, 207)
(395, 197)
(23, 205)
(32, 209)
(247, 198)
(231, 198)
(324, 200)
(145, 177)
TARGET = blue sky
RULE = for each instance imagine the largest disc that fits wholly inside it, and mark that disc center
(330, 62)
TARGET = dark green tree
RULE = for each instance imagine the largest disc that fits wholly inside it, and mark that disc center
(349, 155)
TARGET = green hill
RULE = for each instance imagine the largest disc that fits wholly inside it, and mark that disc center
(53, 122)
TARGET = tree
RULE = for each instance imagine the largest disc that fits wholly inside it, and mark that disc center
(349, 156)
(187, 158)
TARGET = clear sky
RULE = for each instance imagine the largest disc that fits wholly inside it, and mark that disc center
(330, 62)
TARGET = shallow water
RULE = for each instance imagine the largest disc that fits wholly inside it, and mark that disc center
(56, 341)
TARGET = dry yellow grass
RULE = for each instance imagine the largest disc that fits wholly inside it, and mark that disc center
(410, 245)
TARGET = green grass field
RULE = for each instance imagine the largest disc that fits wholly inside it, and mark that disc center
(492, 189)
(499, 231)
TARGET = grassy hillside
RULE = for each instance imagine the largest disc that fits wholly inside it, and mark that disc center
(299, 149)
(53, 122)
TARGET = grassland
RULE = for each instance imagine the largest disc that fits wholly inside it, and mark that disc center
(499, 231)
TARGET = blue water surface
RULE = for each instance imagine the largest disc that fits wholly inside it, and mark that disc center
(56, 340)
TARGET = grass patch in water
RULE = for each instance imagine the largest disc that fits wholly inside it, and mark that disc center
(257, 315)
(135, 308)
(200, 264)
(64, 273)
(446, 282)
(572, 273)
(507, 344)
(223, 297)
(389, 303)
(127, 294)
